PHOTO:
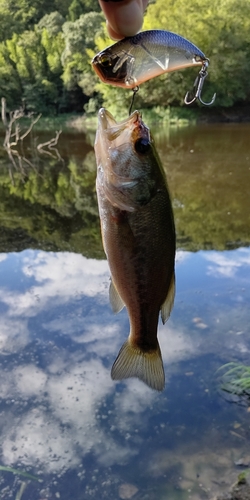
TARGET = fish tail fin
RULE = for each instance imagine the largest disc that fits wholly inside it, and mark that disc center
(134, 362)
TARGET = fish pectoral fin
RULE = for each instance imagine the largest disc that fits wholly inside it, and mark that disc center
(133, 362)
(167, 305)
(116, 301)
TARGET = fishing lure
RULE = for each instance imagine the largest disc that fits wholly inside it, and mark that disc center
(136, 59)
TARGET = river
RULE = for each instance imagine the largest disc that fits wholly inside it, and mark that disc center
(62, 419)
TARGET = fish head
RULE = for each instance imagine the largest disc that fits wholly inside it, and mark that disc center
(111, 66)
(126, 161)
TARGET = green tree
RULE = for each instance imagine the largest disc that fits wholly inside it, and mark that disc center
(10, 83)
(79, 7)
(32, 62)
(221, 29)
(20, 15)
(79, 40)
(52, 23)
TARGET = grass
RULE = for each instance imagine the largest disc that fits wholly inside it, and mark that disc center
(22, 473)
(18, 472)
(236, 379)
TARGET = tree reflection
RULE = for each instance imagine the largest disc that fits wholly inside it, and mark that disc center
(52, 203)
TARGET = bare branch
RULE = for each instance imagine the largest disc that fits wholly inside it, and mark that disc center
(31, 126)
(14, 137)
(51, 143)
(14, 117)
(3, 112)
(51, 146)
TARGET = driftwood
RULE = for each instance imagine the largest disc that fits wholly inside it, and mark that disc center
(51, 146)
(14, 137)
(13, 134)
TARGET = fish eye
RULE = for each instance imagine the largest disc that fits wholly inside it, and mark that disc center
(105, 60)
(142, 145)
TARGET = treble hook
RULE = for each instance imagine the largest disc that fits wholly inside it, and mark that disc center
(135, 90)
(198, 84)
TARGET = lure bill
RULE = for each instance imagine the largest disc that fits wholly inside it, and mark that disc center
(136, 59)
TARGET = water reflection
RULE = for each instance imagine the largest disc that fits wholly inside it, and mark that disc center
(62, 417)
(208, 170)
(61, 412)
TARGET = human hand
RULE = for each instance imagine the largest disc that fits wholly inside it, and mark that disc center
(124, 17)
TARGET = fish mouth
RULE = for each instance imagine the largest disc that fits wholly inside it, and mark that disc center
(105, 119)
(108, 125)
(113, 135)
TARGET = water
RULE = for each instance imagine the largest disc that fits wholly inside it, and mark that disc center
(62, 418)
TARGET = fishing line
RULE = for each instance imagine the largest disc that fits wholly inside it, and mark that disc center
(135, 90)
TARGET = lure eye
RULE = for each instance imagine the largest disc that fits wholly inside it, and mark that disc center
(142, 146)
(105, 60)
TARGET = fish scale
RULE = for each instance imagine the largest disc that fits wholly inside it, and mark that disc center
(139, 241)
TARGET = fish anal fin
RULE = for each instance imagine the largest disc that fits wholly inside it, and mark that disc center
(167, 305)
(133, 362)
(116, 301)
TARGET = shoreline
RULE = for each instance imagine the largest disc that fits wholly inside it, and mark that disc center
(80, 122)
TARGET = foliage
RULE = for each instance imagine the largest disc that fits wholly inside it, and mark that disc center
(221, 29)
(51, 203)
(18, 16)
(47, 68)
(79, 7)
(78, 38)
(46, 49)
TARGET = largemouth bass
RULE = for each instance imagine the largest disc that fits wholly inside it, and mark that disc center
(139, 58)
(139, 240)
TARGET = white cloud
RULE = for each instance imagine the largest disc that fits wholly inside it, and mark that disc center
(58, 278)
(36, 440)
(29, 380)
(3, 256)
(14, 334)
(63, 413)
(227, 264)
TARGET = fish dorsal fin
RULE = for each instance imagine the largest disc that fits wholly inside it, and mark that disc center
(167, 305)
(147, 366)
(116, 301)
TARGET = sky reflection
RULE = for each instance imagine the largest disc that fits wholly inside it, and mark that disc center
(59, 338)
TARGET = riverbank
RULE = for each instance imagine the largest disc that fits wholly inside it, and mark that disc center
(181, 116)
(175, 116)
(240, 491)
(236, 114)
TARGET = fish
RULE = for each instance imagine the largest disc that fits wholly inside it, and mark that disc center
(136, 59)
(138, 235)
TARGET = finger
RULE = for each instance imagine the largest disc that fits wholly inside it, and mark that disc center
(124, 17)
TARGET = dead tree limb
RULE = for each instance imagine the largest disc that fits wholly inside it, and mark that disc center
(14, 137)
(30, 127)
(4, 112)
(51, 146)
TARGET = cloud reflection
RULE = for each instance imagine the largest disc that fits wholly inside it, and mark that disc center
(62, 337)
(227, 263)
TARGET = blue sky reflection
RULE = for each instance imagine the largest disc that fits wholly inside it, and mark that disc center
(59, 338)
